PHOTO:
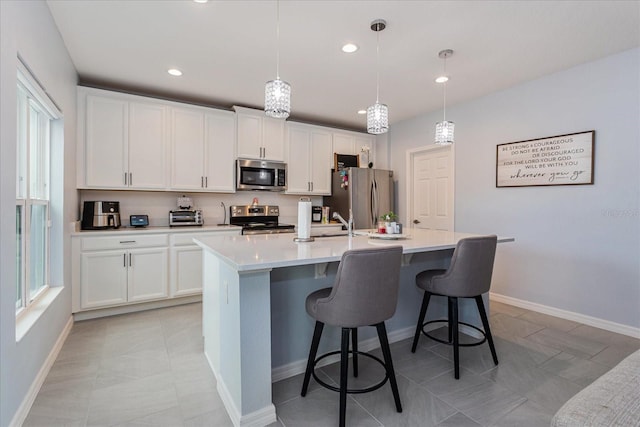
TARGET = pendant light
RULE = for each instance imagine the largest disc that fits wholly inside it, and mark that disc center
(378, 114)
(277, 93)
(444, 129)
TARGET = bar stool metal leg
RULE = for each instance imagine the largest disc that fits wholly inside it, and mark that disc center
(423, 312)
(487, 329)
(456, 341)
(354, 348)
(344, 373)
(317, 333)
(386, 352)
(450, 317)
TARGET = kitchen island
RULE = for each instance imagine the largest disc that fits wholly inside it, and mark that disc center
(254, 322)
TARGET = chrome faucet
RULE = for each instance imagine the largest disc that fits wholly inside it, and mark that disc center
(349, 224)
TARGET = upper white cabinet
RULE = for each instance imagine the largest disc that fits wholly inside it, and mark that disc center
(309, 159)
(346, 142)
(122, 141)
(202, 149)
(259, 136)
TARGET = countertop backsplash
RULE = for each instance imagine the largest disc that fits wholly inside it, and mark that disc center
(157, 204)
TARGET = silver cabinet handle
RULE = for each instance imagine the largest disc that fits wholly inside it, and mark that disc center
(130, 178)
(206, 182)
(129, 259)
(311, 185)
(124, 260)
(127, 241)
(125, 179)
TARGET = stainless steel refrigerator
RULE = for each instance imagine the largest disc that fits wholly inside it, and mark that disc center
(369, 193)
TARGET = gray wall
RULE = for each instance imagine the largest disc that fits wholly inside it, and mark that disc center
(577, 247)
(27, 29)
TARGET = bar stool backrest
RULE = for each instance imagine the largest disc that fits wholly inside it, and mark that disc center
(365, 291)
(469, 274)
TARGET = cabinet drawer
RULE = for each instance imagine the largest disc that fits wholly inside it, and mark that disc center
(124, 242)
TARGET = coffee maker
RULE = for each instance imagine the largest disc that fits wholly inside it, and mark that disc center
(100, 215)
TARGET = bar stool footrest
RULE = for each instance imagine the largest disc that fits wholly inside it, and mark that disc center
(351, 390)
(473, 344)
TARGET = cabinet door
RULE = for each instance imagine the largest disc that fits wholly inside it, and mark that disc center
(147, 146)
(106, 142)
(187, 270)
(219, 152)
(148, 274)
(249, 136)
(320, 160)
(187, 149)
(103, 278)
(344, 143)
(298, 177)
(273, 138)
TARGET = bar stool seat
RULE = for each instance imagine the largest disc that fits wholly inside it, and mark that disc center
(365, 293)
(468, 276)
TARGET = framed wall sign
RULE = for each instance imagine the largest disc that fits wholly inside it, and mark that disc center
(343, 161)
(556, 160)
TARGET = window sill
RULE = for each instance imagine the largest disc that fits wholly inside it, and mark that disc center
(30, 316)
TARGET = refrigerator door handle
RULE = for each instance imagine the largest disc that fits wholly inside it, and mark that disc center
(374, 202)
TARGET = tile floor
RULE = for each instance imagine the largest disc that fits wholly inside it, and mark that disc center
(148, 369)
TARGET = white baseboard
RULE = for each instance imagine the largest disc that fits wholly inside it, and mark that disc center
(568, 315)
(112, 311)
(27, 402)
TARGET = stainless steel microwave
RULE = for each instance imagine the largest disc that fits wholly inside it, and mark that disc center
(261, 175)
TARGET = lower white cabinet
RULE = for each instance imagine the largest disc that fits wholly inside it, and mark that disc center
(117, 277)
(186, 262)
(118, 268)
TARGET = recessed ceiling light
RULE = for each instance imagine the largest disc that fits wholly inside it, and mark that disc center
(200, 1)
(349, 48)
(174, 72)
(362, 111)
(442, 79)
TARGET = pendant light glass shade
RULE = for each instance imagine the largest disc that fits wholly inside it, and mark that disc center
(277, 99)
(444, 132)
(444, 129)
(277, 93)
(377, 119)
(378, 114)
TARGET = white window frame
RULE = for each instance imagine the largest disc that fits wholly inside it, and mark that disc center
(29, 90)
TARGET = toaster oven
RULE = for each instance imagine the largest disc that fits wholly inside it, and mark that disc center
(185, 217)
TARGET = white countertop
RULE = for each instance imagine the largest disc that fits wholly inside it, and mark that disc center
(155, 230)
(266, 251)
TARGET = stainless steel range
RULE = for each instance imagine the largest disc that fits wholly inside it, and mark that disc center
(258, 219)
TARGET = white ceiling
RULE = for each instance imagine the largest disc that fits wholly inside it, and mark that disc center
(227, 49)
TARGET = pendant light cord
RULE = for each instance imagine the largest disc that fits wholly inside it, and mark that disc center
(377, 63)
(444, 92)
(278, 39)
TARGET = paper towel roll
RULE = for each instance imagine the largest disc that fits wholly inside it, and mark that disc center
(304, 218)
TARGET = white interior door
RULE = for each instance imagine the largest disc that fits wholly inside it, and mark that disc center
(430, 189)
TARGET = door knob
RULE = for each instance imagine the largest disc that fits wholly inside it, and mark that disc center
(415, 221)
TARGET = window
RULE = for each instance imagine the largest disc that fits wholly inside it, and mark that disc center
(35, 116)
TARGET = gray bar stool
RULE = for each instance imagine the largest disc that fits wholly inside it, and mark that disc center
(365, 293)
(468, 276)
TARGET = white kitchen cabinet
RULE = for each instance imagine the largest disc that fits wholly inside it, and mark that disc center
(116, 270)
(122, 141)
(259, 136)
(309, 159)
(346, 142)
(202, 152)
(186, 262)
(103, 280)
